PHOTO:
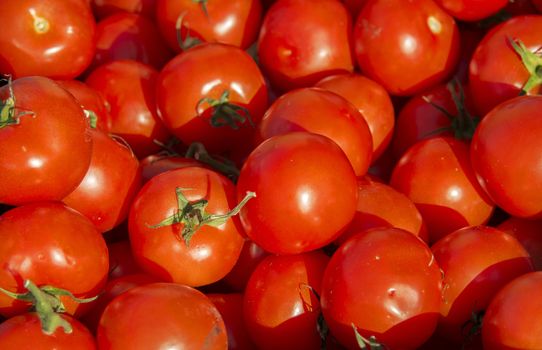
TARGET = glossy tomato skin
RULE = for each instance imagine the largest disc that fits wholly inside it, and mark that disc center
(53, 38)
(234, 22)
(372, 101)
(110, 184)
(161, 315)
(52, 143)
(302, 42)
(212, 251)
(476, 263)
(505, 150)
(24, 332)
(495, 82)
(472, 10)
(129, 88)
(321, 112)
(50, 244)
(386, 282)
(207, 71)
(527, 232)
(512, 319)
(106, 8)
(305, 189)
(249, 258)
(279, 304)
(437, 176)
(406, 46)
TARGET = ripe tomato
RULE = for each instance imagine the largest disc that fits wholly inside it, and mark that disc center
(182, 318)
(50, 244)
(213, 94)
(165, 251)
(46, 147)
(281, 301)
(527, 232)
(233, 22)
(303, 41)
(106, 8)
(112, 181)
(156, 164)
(24, 332)
(129, 88)
(472, 10)
(321, 112)
(53, 38)
(306, 193)
(505, 153)
(476, 262)
(512, 320)
(249, 258)
(437, 176)
(372, 101)
(407, 46)
(387, 284)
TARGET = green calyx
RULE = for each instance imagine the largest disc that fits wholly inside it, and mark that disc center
(198, 152)
(364, 343)
(192, 215)
(188, 41)
(203, 5)
(225, 113)
(472, 327)
(531, 61)
(8, 110)
(91, 117)
(47, 304)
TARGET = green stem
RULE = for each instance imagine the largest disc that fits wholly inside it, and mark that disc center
(8, 109)
(197, 151)
(188, 41)
(91, 117)
(531, 62)
(203, 5)
(224, 112)
(363, 342)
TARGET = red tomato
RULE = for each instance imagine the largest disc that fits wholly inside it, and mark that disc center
(387, 284)
(321, 112)
(229, 306)
(437, 176)
(129, 36)
(129, 88)
(164, 251)
(233, 22)
(106, 8)
(495, 81)
(24, 333)
(281, 306)
(121, 260)
(50, 244)
(306, 193)
(46, 147)
(303, 41)
(529, 234)
(512, 320)
(53, 38)
(249, 258)
(160, 316)
(505, 153)
(372, 101)
(406, 46)
(205, 94)
(112, 181)
(156, 164)
(379, 205)
(476, 262)
(472, 10)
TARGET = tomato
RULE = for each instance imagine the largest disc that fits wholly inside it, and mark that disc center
(505, 153)
(495, 81)
(156, 164)
(372, 101)
(437, 176)
(379, 205)
(476, 262)
(112, 181)
(213, 94)
(306, 193)
(53, 38)
(24, 332)
(281, 301)
(512, 320)
(50, 244)
(407, 46)
(45, 140)
(121, 260)
(159, 316)
(472, 10)
(167, 252)
(129, 88)
(527, 232)
(303, 41)
(129, 36)
(249, 258)
(234, 22)
(229, 306)
(386, 283)
(321, 112)
(106, 8)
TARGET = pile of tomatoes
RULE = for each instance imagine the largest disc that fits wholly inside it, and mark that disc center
(259, 174)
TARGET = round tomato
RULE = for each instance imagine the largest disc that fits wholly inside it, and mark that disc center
(527, 232)
(249, 258)
(156, 164)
